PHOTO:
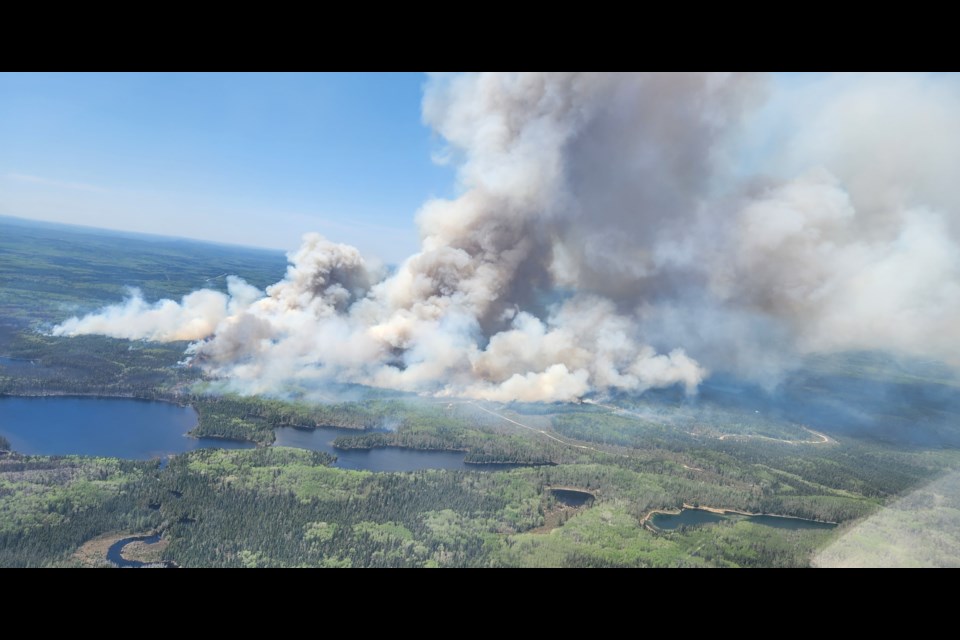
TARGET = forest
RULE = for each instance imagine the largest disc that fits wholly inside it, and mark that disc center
(730, 447)
(286, 507)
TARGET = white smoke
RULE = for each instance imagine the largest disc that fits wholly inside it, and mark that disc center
(609, 235)
(195, 317)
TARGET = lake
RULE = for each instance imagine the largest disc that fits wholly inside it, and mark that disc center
(112, 427)
(15, 365)
(382, 459)
(698, 517)
(572, 497)
(141, 430)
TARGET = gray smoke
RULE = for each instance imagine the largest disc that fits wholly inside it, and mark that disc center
(611, 233)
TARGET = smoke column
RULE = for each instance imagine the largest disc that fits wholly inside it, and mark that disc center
(621, 232)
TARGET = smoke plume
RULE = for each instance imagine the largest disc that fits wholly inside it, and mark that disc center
(621, 232)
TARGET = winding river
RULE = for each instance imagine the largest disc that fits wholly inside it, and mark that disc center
(115, 553)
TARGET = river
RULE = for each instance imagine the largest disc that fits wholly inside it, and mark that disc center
(115, 553)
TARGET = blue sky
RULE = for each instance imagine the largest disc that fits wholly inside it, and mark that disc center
(255, 159)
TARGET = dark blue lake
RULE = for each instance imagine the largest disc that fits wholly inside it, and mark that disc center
(572, 497)
(15, 365)
(113, 427)
(698, 517)
(383, 459)
(140, 430)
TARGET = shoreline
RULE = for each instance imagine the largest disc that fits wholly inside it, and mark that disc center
(550, 487)
(824, 439)
(507, 462)
(71, 394)
(645, 521)
(192, 436)
(260, 444)
(548, 463)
